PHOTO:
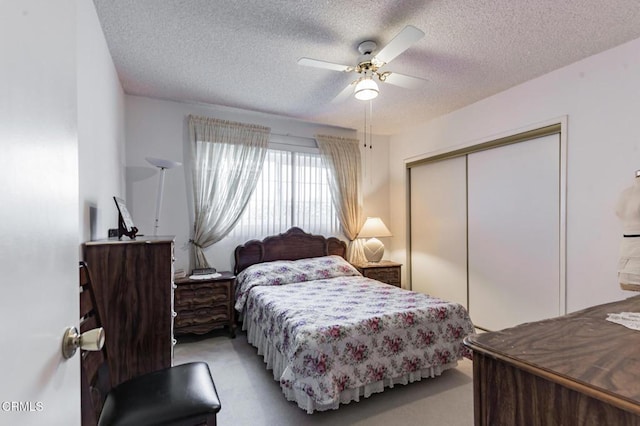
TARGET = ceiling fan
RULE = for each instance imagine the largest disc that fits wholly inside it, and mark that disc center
(369, 66)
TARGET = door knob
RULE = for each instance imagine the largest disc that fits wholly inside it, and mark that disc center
(92, 340)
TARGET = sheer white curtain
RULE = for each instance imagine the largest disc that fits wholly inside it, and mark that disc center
(341, 156)
(227, 159)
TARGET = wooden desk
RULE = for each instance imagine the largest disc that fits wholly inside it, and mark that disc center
(578, 369)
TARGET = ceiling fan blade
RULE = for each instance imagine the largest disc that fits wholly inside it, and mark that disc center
(401, 42)
(344, 94)
(406, 81)
(308, 62)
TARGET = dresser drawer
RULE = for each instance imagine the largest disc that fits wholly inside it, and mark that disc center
(213, 314)
(206, 294)
(386, 275)
(384, 271)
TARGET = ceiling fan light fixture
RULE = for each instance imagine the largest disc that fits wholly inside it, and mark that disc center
(366, 89)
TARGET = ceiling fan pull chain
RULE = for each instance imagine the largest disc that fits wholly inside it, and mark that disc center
(364, 137)
(370, 124)
(365, 126)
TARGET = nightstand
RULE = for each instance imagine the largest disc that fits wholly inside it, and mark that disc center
(386, 271)
(203, 305)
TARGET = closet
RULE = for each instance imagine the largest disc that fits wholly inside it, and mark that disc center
(487, 226)
(439, 229)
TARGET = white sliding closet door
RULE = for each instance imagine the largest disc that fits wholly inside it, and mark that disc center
(514, 233)
(438, 229)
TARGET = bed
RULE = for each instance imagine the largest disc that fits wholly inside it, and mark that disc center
(332, 336)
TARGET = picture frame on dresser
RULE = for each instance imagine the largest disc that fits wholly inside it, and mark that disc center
(125, 221)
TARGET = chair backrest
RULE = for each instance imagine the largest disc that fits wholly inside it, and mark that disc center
(95, 381)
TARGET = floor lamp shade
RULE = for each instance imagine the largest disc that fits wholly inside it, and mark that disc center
(162, 165)
(373, 228)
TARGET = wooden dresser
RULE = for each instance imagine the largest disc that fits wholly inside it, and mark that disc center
(385, 271)
(203, 305)
(133, 283)
(578, 369)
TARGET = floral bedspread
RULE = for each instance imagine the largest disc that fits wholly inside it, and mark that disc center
(336, 330)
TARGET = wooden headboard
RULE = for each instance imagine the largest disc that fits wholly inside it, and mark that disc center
(292, 245)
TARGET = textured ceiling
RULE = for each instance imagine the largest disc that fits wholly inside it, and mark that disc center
(243, 53)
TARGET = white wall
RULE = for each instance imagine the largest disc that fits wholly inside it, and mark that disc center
(375, 182)
(158, 128)
(100, 128)
(375, 177)
(601, 97)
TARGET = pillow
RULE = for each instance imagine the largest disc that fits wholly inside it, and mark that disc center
(317, 268)
(282, 272)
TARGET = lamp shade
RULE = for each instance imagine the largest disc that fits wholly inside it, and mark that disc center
(374, 227)
(366, 89)
(163, 164)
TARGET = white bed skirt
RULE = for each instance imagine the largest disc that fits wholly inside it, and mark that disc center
(277, 363)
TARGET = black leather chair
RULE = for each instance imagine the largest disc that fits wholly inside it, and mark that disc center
(180, 395)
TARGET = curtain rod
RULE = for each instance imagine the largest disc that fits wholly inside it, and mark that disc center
(292, 136)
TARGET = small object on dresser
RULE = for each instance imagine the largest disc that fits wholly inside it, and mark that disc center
(179, 273)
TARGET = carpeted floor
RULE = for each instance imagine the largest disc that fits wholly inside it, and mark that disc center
(250, 396)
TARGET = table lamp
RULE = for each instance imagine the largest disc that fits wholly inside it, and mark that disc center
(373, 248)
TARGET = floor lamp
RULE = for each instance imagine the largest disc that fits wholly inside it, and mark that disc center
(162, 165)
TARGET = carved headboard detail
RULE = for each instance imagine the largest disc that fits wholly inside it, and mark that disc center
(292, 245)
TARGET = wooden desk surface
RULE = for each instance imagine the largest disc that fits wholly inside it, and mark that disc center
(582, 351)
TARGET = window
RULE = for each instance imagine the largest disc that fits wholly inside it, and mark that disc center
(292, 191)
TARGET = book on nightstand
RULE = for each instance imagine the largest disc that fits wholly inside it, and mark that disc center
(203, 271)
(204, 274)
